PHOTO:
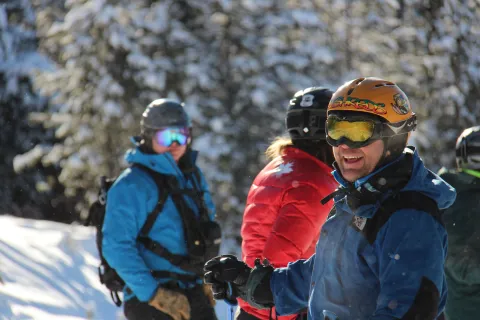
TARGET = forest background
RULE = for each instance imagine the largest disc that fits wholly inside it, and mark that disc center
(76, 75)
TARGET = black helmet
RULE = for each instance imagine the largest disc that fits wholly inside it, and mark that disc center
(468, 149)
(307, 113)
(162, 113)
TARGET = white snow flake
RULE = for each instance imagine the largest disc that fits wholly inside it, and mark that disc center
(282, 169)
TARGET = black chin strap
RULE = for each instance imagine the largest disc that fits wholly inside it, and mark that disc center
(393, 148)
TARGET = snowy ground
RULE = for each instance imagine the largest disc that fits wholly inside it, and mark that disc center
(48, 271)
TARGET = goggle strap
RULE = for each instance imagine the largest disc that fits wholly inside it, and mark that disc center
(400, 127)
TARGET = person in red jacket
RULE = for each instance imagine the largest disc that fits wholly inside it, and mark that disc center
(283, 214)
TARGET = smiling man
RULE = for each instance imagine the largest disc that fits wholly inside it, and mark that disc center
(382, 250)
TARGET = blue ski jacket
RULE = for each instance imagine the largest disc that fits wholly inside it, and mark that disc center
(353, 279)
(129, 201)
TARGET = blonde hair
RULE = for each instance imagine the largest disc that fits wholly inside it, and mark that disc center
(277, 146)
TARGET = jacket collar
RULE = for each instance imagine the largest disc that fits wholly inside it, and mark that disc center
(405, 173)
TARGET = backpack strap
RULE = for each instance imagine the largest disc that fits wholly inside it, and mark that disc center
(195, 239)
(115, 298)
(166, 185)
(198, 197)
(163, 192)
(162, 198)
(401, 200)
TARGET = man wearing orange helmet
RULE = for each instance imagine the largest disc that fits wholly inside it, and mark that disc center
(381, 252)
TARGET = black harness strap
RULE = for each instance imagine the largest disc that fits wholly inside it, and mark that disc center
(425, 305)
(162, 189)
(401, 200)
(168, 185)
(160, 274)
(163, 252)
(115, 298)
(177, 276)
(197, 186)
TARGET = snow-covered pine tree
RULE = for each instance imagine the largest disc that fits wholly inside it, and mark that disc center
(32, 189)
(431, 49)
(235, 64)
(256, 55)
(113, 58)
(448, 78)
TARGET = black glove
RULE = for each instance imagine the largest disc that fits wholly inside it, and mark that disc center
(228, 277)
(231, 278)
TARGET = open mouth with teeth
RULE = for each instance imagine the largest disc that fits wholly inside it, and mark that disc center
(352, 159)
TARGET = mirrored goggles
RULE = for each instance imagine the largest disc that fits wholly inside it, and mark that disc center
(357, 133)
(167, 136)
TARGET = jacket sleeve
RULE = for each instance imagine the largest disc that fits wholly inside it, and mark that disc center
(207, 196)
(120, 230)
(411, 250)
(291, 286)
(300, 210)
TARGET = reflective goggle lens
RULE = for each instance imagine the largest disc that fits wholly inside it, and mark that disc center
(356, 131)
(166, 137)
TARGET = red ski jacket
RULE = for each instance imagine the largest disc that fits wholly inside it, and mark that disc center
(283, 215)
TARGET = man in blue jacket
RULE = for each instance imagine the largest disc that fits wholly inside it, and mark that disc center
(159, 271)
(381, 252)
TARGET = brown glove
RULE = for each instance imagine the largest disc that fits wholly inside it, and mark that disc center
(207, 289)
(173, 303)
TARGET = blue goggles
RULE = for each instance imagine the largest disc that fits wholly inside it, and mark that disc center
(166, 137)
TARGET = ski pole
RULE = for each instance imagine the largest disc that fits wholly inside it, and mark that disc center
(231, 301)
(230, 312)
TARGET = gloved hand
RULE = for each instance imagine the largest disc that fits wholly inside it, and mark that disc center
(173, 303)
(228, 277)
(207, 289)
(231, 278)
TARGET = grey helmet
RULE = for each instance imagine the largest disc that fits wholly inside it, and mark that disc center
(467, 149)
(162, 113)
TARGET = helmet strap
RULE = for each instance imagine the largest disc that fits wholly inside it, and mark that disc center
(145, 143)
(393, 148)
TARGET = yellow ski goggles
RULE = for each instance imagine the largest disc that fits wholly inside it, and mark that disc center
(357, 131)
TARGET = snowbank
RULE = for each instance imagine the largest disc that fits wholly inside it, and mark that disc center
(48, 271)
